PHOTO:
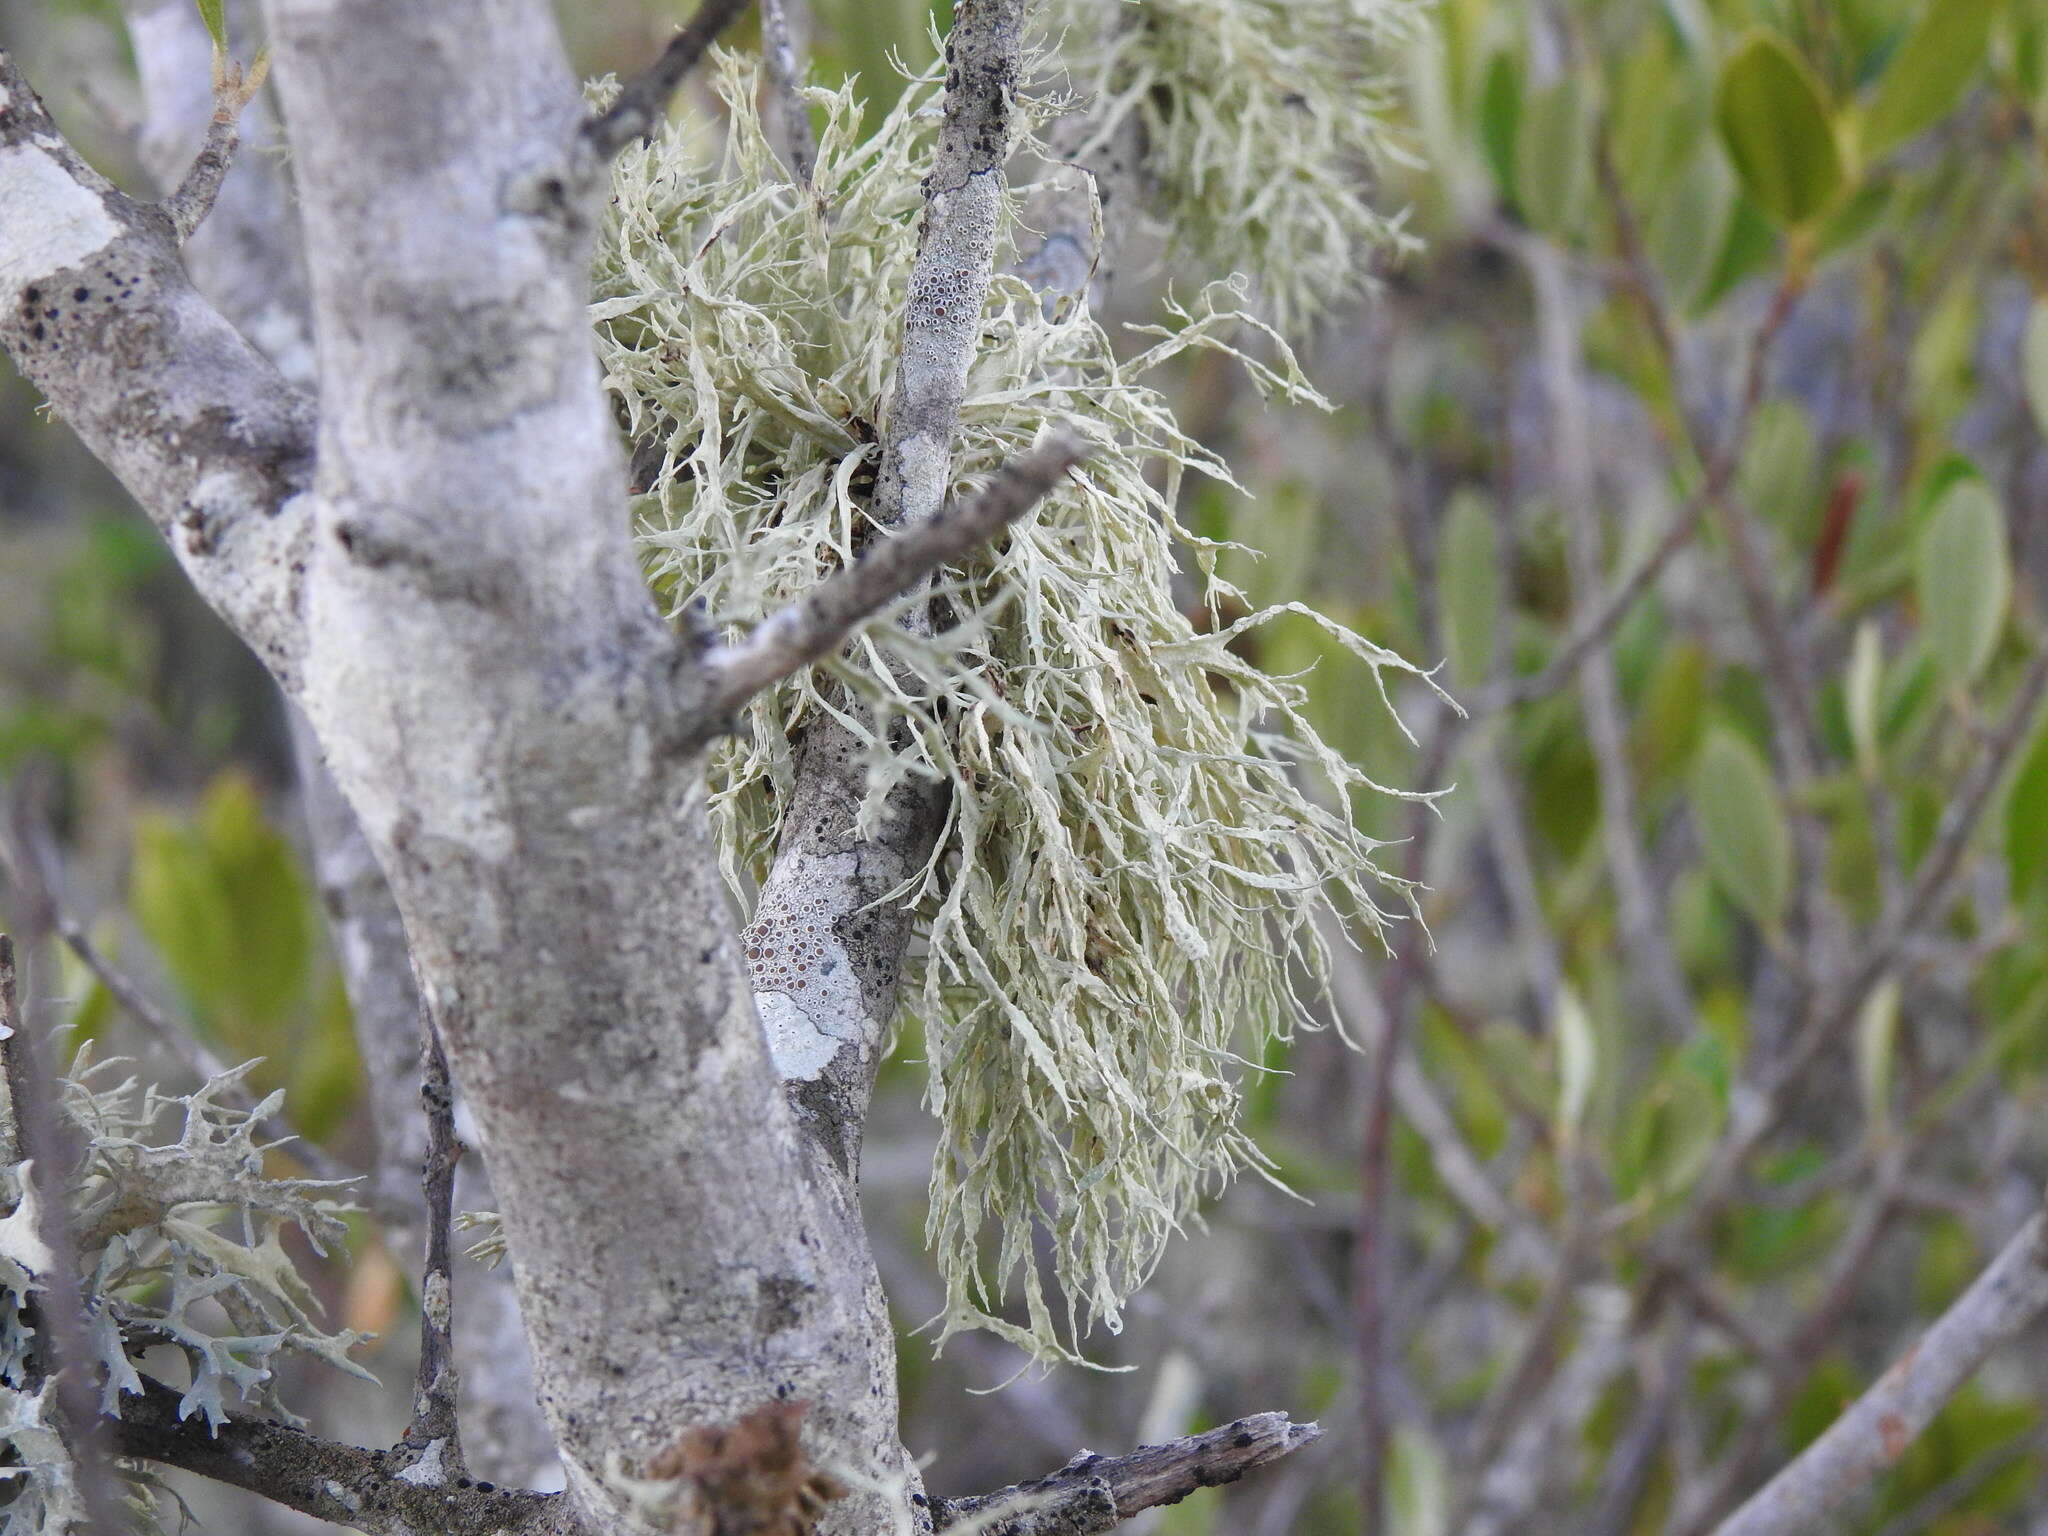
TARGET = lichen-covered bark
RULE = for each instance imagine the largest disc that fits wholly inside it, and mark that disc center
(509, 718)
(98, 313)
(826, 945)
(247, 260)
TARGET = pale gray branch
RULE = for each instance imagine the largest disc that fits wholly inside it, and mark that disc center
(785, 74)
(98, 312)
(1876, 1429)
(817, 622)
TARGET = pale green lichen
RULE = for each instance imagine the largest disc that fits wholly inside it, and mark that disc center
(1262, 125)
(180, 1240)
(1125, 895)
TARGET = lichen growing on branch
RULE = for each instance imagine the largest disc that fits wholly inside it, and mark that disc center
(181, 1242)
(1262, 125)
(1122, 909)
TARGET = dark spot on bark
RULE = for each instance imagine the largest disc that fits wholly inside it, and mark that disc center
(779, 1302)
(34, 295)
(1242, 1441)
(36, 330)
(81, 294)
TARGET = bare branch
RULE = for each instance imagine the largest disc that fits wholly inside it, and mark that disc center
(189, 205)
(1640, 904)
(342, 1483)
(816, 623)
(1875, 1430)
(434, 1435)
(644, 101)
(1094, 1493)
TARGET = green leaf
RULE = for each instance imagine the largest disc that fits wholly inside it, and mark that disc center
(2026, 820)
(1553, 162)
(1929, 72)
(1468, 587)
(1877, 1038)
(1861, 691)
(1775, 124)
(2034, 363)
(1578, 1059)
(1963, 579)
(216, 23)
(1741, 827)
(1500, 116)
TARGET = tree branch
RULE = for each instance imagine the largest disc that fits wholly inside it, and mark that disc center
(816, 623)
(45, 1144)
(1876, 1429)
(1094, 1493)
(434, 1435)
(194, 196)
(786, 75)
(644, 100)
(366, 1489)
(97, 310)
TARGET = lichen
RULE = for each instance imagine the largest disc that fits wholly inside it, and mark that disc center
(181, 1242)
(1123, 906)
(1263, 126)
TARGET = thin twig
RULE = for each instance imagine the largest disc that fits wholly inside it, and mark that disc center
(435, 1421)
(1372, 1269)
(1924, 903)
(1640, 904)
(49, 1152)
(26, 854)
(814, 624)
(1093, 1493)
(1596, 625)
(188, 206)
(785, 74)
(1876, 1429)
(643, 101)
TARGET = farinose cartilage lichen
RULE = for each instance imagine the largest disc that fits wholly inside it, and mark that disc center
(1261, 124)
(1125, 893)
(181, 1243)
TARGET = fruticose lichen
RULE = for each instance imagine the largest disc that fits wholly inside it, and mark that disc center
(1123, 908)
(180, 1237)
(1261, 126)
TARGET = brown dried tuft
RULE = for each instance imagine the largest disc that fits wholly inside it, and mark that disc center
(752, 1476)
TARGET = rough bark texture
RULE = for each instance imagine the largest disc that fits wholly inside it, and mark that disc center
(505, 712)
(100, 316)
(827, 948)
(347, 1484)
(247, 259)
